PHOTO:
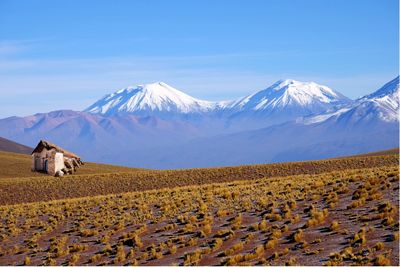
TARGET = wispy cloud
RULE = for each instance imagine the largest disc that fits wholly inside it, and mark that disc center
(57, 83)
(10, 48)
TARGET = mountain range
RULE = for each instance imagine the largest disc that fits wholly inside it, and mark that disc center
(158, 126)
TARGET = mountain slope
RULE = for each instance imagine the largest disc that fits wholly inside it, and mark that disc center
(175, 139)
(380, 106)
(156, 99)
(285, 100)
(358, 128)
(97, 137)
(299, 97)
(15, 165)
(11, 146)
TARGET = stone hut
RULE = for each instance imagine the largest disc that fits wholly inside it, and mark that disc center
(52, 159)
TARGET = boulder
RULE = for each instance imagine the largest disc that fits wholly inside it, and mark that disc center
(59, 174)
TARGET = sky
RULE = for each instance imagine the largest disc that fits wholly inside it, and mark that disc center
(67, 54)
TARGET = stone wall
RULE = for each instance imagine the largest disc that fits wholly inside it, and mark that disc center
(54, 159)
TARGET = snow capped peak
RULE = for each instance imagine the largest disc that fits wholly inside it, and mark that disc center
(304, 91)
(149, 99)
(282, 84)
(389, 88)
(294, 94)
(149, 88)
(286, 99)
(382, 105)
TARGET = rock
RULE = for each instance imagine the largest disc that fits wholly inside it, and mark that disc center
(59, 174)
(67, 164)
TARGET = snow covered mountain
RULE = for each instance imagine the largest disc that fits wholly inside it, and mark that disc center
(283, 101)
(380, 106)
(156, 126)
(291, 97)
(369, 124)
(155, 99)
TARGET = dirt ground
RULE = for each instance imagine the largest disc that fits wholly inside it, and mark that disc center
(295, 225)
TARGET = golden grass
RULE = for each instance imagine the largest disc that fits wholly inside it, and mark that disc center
(234, 222)
(45, 188)
(15, 165)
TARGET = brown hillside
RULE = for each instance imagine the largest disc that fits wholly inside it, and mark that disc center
(11, 146)
(14, 165)
(32, 189)
(340, 218)
(392, 151)
(330, 212)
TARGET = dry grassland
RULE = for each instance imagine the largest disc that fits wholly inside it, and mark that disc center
(321, 217)
(45, 188)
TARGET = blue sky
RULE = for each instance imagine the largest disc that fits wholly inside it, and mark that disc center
(66, 54)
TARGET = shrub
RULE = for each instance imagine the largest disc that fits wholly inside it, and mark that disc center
(388, 221)
(189, 228)
(73, 260)
(77, 248)
(295, 219)
(262, 225)
(107, 249)
(298, 236)
(89, 232)
(104, 239)
(285, 251)
(225, 233)
(379, 246)
(334, 226)
(271, 243)
(284, 228)
(291, 261)
(359, 238)
(192, 257)
(259, 250)
(237, 222)
(276, 234)
(158, 255)
(27, 261)
(234, 260)
(347, 253)
(311, 223)
(133, 241)
(207, 229)
(131, 254)
(192, 241)
(173, 249)
(382, 260)
(275, 255)
(276, 217)
(216, 244)
(233, 249)
(200, 234)
(222, 213)
(95, 258)
(120, 256)
(292, 203)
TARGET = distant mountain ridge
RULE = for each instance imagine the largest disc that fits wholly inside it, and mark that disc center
(303, 98)
(157, 126)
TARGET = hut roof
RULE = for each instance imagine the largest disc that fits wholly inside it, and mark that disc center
(44, 144)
